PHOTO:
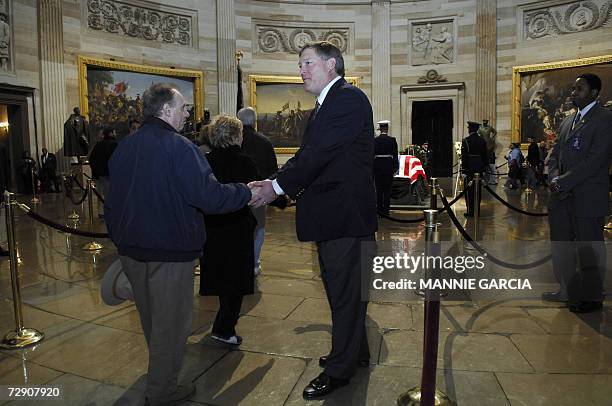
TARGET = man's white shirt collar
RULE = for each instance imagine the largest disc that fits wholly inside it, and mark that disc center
(323, 94)
(586, 109)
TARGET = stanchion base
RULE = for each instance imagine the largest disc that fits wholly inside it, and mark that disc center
(413, 398)
(14, 340)
(196, 271)
(74, 216)
(92, 246)
(35, 200)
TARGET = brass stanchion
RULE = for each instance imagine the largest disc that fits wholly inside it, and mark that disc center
(427, 394)
(93, 245)
(34, 198)
(433, 202)
(476, 202)
(20, 337)
(74, 215)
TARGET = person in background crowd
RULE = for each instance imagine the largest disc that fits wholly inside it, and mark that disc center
(514, 167)
(203, 139)
(579, 166)
(160, 186)
(386, 163)
(48, 175)
(533, 161)
(474, 160)
(133, 126)
(27, 171)
(226, 265)
(98, 161)
(256, 146)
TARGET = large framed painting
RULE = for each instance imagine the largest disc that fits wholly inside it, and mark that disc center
(111, 92)
(541, 95)
(283, 108)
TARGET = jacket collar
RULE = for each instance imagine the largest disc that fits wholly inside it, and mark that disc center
(159, 122)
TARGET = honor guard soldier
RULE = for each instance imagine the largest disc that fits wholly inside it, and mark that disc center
(386, 164)
(473, 160)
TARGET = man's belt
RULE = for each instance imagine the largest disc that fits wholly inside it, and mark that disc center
(383, 156)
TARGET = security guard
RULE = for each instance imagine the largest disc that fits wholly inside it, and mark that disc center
(473, 160)
(386, 164)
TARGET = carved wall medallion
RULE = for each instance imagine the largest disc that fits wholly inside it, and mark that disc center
(290, 37)
(147, 21)
(566, 18)
(432, 42)
(432, 76)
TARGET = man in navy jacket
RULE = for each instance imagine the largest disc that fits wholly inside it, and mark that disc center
(159, 186)
(331, 179)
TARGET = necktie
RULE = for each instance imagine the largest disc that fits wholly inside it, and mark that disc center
(316, 110)
(576, 120)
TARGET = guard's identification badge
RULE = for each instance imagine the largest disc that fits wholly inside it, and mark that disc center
(576, 142)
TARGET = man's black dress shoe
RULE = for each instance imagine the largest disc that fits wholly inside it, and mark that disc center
(554, 297)
(323, 385)
(362, 363)
(585, 306)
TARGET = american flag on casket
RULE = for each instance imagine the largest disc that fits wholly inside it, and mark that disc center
(410, 167)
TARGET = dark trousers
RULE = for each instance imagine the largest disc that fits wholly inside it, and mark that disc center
(227, 316)
(470, 194)
(339, 261)
(578, 252)
(383, 192)
(163, 292)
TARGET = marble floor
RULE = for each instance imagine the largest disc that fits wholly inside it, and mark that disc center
(495, 350)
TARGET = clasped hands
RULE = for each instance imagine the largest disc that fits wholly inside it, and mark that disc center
(262, 193)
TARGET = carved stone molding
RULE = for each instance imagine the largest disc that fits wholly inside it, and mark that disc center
(290, 37)
(433, 42)
(567, 18)
(7, 58)
(432, 76)
(142, 20)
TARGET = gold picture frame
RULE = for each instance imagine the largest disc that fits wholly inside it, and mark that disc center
(120, 81)
(540, 94)
(279, 101)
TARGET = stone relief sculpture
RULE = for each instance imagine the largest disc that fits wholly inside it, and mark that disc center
(432, 43)
(566, 18)
(5, 42)
(280, 39)
(122, 18)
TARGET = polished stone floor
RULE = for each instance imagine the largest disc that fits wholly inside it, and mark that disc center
(493, 350)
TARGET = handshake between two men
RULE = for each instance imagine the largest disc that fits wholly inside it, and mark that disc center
(262, 193)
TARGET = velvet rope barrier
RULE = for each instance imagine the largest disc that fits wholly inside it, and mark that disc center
(508, 205)
(481, 250)
(58, 226)
(420, 219)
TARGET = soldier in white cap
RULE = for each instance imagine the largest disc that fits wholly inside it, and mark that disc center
(386, 164)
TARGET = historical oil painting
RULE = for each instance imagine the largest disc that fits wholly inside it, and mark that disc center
(542, 95)
(111, 93)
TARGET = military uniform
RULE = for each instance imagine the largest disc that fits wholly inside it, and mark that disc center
(386, 164)
(473, 160)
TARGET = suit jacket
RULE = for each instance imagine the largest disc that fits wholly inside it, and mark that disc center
(385, 145)
(330, 176)
(581, 159)
(257, 147)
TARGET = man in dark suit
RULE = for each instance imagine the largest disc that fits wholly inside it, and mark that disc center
(259, 148)
(48, 168)
(386, 164)
(330, 177)
(474, 159)
(578, 174)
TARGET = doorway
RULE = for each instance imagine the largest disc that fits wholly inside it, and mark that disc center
(432, 121)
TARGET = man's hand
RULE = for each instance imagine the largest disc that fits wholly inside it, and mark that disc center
(554, 186)
(263, 193)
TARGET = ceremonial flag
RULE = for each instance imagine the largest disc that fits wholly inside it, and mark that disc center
(411, 167)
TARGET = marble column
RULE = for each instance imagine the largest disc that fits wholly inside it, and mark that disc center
(52, 76)
(486, 61)
(381, 60)
(226, 56)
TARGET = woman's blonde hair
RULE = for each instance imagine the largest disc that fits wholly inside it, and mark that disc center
(225, 131)
(204, 136)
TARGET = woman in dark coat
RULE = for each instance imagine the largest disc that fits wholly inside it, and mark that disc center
(227, 263)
